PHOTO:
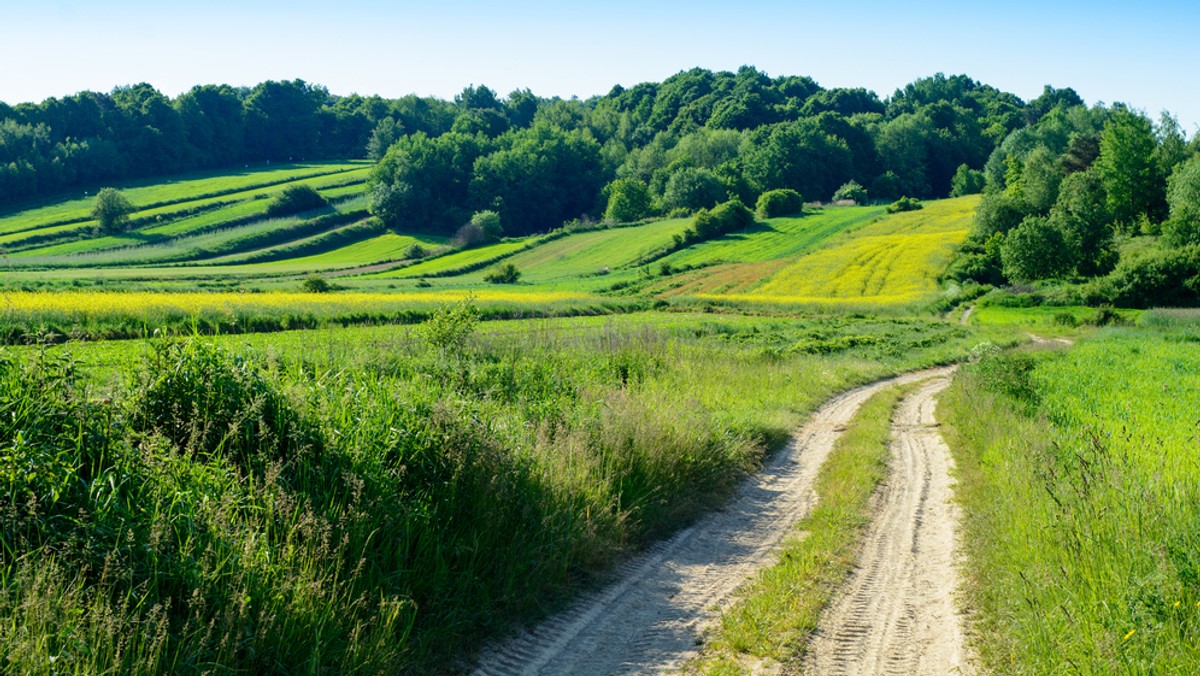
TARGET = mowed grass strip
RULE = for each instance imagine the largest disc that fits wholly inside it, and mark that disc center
(377, 249)
(775, 238)
(594, 253)
(772, 622)
(183, 188)
(443, 265)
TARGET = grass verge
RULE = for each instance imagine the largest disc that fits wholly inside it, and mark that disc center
(1077, 474)
(771, 624)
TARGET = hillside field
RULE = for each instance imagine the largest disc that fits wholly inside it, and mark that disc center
(296, 442)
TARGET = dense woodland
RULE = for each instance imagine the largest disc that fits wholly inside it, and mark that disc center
(1101, 196)
(90, 138)
(1067, 186)
(744, 132)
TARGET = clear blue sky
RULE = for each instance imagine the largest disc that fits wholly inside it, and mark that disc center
(1144, 54)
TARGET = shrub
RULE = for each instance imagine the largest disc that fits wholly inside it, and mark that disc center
(904, 204)
(628, 200)
(295, 199)
(451, 326)
(1011, 374)
(112, 210)
(504, 274)
(489, 225)
(317, 285)
(851, 190)
(1036, 249)
(1105, 316)
(1065, 318)
(205, 400)
(415, 251)
(782, 202)
(728, 217)
(1156, 277)
(468, 236)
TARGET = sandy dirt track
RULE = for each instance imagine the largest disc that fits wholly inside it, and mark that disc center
(896, 615)
(649, 620)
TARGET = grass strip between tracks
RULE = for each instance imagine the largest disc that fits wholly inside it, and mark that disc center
(778, 612)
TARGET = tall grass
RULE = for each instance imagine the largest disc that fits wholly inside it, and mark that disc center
(27, 317)
(364, 507)
(1078, 477)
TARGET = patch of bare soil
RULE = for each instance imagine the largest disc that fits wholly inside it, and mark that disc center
(897, 614)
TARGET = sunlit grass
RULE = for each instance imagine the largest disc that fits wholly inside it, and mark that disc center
(893, 261)
(1078, 478)
(152, 191)
(458, 260)
(317, 500)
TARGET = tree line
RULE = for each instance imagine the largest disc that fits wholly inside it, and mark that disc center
(1103, 196)
(695, 140)
(691, 142)
(706, 133)
(92, 138)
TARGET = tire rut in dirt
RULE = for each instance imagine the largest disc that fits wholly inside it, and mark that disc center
(650, 619)
(897, 614)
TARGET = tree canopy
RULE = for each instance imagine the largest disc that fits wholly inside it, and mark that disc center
(111, 210)
(696, 139)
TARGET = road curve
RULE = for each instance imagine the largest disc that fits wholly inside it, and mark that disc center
(649, 620)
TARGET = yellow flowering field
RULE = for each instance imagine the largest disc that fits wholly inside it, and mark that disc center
(106, 302)
(99, 314)
(893, 261)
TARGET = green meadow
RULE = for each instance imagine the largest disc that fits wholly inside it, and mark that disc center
(1078, 471)
(251, 443)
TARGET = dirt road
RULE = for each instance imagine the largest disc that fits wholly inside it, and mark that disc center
(650, 618)
(897, 614)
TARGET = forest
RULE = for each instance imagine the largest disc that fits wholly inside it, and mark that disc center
(719, 132)
(1070, 190)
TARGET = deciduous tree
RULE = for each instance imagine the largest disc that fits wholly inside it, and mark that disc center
(112, 210)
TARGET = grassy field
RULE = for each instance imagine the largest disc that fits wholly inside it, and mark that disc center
(376, 249)
(615, 392)
(213, 231)
(893, 261)
(157, 192)
(33, 316)
(163, 229)
(234, 517)
(1078, 476)
(776, 238)
(460, 260)
(592, 254)
(1051, 320)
